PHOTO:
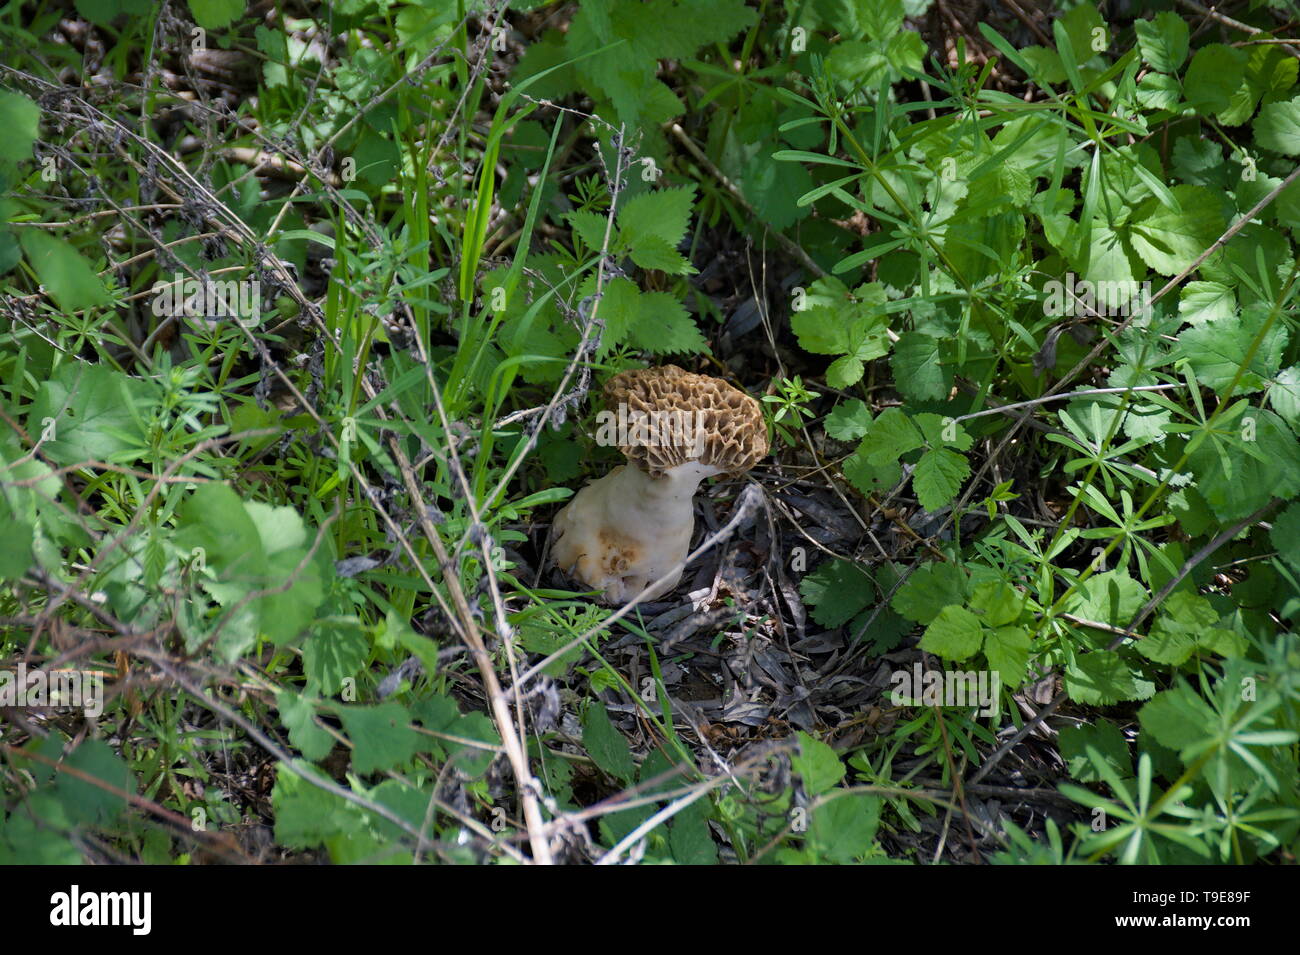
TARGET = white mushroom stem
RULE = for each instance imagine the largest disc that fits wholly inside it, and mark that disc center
(627, 530)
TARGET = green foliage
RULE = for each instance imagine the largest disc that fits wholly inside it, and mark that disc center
(312, 537)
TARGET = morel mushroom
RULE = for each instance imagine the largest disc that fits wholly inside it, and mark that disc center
(624, 531)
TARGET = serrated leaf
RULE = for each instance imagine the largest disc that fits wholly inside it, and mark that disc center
(652, 252)
(996, 602)
(869, 478)
(605, 744)
(1100, 678)
(1111, 598)
(216, 14)
(662, 214)
(917, 367)
(619, 309)
(381, 736)
(816, 764)
(1007, 650)
(1177, 718)
(938, 477)
(664, 327)
(1233, 481)
(689, 838)
(93, 409)
(928, 589)
(1170, 241)
(66, 275)
(1285, 535)
(590, 227)
(848, 420)
(298, 715)
(837, 591)
(892, 435)
(844, 372)
(1284, 395)
(1163, 41)
(1183, 619)
(331, 655)
(842, 830)
(1277, 127)
(20, 118)
(955, 634)
(85, 801)
(1215, 72)
(1218, 348)
(1202, 302)
(1105, 738)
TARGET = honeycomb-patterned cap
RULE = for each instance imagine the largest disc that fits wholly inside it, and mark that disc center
(667, 417)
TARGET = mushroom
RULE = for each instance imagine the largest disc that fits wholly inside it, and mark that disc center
(632, 527)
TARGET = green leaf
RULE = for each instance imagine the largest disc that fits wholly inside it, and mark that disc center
(929, 589)
(663, 327)
(842, 830)
(816, 764)
(1099, 678)
(605, 744)
(1177, 718)
(662, 214)
(918, 368)
(216, 14)
(996, 602)
(844, 372)
(619, 308)
(305, 814)
(837, 591)
(1163, 41)
(20, 118)
(1106, 261)
(823, 331)
(1277, 127)
(1285, 535)
(381, 736)
(1285, 395)
(1184, 619)
(1158, 91)
(590, 227)
(1215, 72)
(849, 420)
(869, 478)
(1202, 302)
(93, 409)
(64, 273)
(331, 655)
(652, 252)
(1217, 349)
(955, 634)
(1242, 476)
(892, 435)
(298, 713)
(84, 800)
(1105, 738)
(257, 566)
(1007, 650)
(938, 477)
(689, 838)
(1111, 598)
(1170, 241)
